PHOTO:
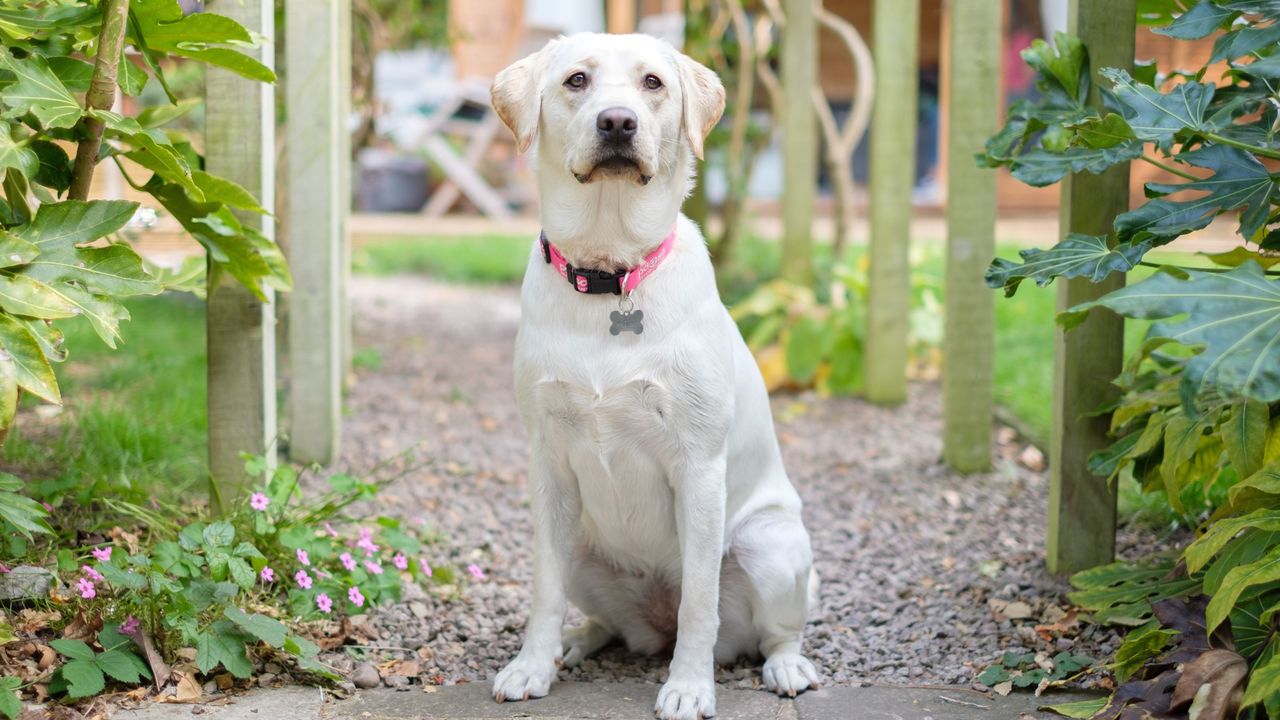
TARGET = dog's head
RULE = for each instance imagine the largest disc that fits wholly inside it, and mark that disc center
(612, 106)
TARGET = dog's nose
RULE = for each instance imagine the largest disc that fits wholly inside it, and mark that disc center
(616, 125)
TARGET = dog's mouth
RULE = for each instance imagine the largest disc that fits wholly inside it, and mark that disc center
(614, 166)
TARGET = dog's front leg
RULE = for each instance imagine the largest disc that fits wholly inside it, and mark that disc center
(556, 508)
(690, 690)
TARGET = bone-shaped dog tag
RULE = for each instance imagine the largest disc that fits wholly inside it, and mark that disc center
(629, 321)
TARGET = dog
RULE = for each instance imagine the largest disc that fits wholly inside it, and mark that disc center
(661, 507)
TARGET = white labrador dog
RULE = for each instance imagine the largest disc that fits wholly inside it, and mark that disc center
(661, 508)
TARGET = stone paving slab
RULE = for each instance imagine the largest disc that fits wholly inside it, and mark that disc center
(605, 701)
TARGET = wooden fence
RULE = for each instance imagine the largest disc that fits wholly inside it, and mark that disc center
(240, 126)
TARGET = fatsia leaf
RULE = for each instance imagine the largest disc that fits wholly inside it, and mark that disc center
(159, 115)
(1244, 41)
(1202, 19)
(15, 251)
(1104, 132)
(1248, 630)
(54, 168)
(1264, 570)
(1264, 680)
(24, 295)
(155, 153)
(21, 22)
(1245, 435)
(16, 155)
(1239, 180)
(73, 222)
(1157, 116)
(8, 392)
(1063, 67)
(33, 372)
(1038, 167)
(196, 36)
(103, 313)
(1234, 315)
(1077, 255)
(39, 92)
(1239, 255)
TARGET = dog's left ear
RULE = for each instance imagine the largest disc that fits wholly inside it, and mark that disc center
(517, 96)
(703, 100)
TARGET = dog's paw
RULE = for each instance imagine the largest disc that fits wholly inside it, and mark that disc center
(524, 678)
(789, 674)
(682, 699)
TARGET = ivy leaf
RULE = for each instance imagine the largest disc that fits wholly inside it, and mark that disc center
(39, 92)
(1199, 21)
(84, 679)
(1239, 180)
(1078, 255)
(1235, 315)
(268, 630)
(1157, 116)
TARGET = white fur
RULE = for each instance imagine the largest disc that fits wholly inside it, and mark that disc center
(654, 469)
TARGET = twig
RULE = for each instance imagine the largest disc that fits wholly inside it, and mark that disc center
(965, 703)
(101, 95)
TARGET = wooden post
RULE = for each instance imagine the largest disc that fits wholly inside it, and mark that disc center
(799, 139)
(896, 31)
(973, 50)
(345, 168)
(1082, 507)
(318, 151)
(620, 16)
(240, 145)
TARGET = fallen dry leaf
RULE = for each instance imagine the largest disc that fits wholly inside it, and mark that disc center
(1003, 688)
(31, 621)
(83, 627)
(1212, 684)
(188, 688)
(159, 669)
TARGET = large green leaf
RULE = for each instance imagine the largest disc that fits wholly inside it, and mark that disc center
(15, 251)
(1158, 116)
(1245, 435)
(223, 644)
(197, 36)
(1122, 592)
(33, 372)
(1239, 180)
(1039, 167)
(1199, 21)
(155, 153)
(114, 270)
(1234, 315)
(1248, 629)
(83, 677)
(1264, 679)
(39, 91)
(73, 222)
(1264, 570)
(16, 155)
(1062, 67)
(21, 22)
(1245, 41)
(123, 665)
(24, 295)
(1076, 256)
(55, 167)
(268, 630)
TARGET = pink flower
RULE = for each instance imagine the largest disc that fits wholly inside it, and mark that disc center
(103, 554)
(267, 575)
(4, 568)
(303, 557)
(348, 562)
(130, 625)
(323, 575)
(424, 566)
(400, 561)
(366, 534)
(324, 602)
(373, 567)
(87, 591)
(258, 501)
(47, 507)
(366, 542)
(355, 597)
(329, 529)
(475, 571)
(303, 579)
(92, 574)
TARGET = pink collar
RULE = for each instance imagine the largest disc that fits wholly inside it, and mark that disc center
(596, 282)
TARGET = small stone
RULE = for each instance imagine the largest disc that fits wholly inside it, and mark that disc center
(399, 682)
(418, 609)
(265, 679)
(366, 676)
(25, 582)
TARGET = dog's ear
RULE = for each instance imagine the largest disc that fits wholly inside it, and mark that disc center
(517, 96)
(703, 100)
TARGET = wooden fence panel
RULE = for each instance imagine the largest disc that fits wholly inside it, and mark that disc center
(799, 138)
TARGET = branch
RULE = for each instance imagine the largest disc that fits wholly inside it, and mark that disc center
(1264, 152)
(101, 95)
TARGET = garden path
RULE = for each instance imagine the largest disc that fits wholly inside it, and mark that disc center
(927, 575)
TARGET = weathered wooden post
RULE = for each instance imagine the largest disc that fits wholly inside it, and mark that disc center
(620, 16)
(318, 155)
(240, 145)
(799, 139)
(895, 40)
(1082, 507)
(973, 111)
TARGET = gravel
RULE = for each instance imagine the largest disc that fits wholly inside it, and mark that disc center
(919, 564)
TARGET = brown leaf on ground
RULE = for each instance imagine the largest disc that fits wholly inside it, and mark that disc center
(187, 689)
(405, 668)
(47, 657)
(159, 669)
(83, 627)
(31, 621)
(120, 535)
(1065, 625)
(331, 635)
(1214, 682)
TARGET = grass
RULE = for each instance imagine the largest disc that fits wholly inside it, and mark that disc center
(134, 419)
(488, 260)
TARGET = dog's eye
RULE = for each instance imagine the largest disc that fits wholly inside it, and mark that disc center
(577, 81)
(652, 82)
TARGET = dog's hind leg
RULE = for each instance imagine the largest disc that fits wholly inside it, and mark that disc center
(637, 609)
(583, 641)
(773, 550)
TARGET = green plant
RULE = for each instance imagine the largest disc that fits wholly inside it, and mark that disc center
(801, 340)
(1198, 419)
(1033, 670)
